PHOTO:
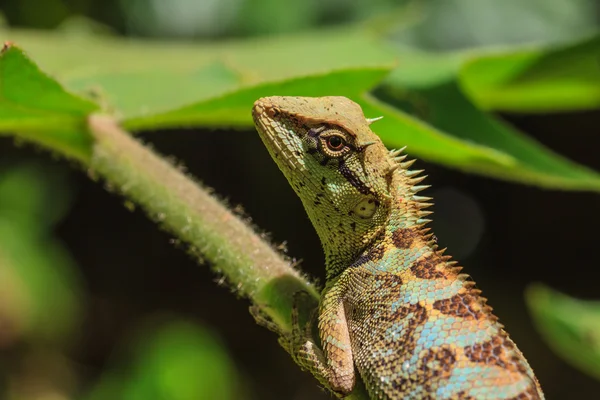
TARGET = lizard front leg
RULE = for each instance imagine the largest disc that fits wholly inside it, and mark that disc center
(333, 366)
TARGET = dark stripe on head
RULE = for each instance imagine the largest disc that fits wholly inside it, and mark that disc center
(352, 178)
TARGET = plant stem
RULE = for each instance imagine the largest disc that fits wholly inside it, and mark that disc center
(187, 210)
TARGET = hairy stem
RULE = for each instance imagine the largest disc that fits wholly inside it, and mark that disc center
(187, 210)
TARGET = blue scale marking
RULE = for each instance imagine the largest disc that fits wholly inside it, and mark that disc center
(396, 330)
(432, 334)
(412, 291)
(396, 260)
(461, 379)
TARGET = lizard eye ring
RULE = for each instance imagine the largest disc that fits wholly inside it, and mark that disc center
(335, 142)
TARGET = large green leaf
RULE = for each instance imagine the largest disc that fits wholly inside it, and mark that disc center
(233, 108)
(37, 107)
(149, 91)
(445, 106)
(536, 79)
(422, 69)
(570, 326)
(151, 85)
(396, 129)
(149, 77)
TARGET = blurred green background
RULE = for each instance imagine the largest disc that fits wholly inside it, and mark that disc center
(96, 303)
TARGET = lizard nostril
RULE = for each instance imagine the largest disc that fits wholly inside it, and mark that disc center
(272, 112)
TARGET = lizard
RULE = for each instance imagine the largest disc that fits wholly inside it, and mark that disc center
(394, 307)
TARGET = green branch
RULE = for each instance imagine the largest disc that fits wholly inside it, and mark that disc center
(252, 267)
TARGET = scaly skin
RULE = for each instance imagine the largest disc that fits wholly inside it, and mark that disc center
(393, 306)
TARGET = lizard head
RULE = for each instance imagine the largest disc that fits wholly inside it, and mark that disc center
(339, 168)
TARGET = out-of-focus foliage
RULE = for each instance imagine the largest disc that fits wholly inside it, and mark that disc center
(39, 286)
(210, 18)
(570, 326)
(173, 361)
(448, 24)
(466, 24)
(41, 298)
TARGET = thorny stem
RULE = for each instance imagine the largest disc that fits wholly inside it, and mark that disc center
(187, 210)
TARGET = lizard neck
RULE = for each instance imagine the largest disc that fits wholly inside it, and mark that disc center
(401, 220)
(345, 239)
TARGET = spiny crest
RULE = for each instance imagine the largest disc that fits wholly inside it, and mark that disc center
(411, 180)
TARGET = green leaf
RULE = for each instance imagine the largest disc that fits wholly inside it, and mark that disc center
(445, 107)
(37, 107)
(178, 361)
(422, 69)
(571, 327)
(151, 77)
(154, 85)
(396, 129)
(146, 92)
(234, 108)
(536, 79)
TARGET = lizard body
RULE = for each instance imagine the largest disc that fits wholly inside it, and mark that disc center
(394, 306)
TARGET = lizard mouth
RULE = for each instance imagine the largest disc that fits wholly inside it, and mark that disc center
(262, 114)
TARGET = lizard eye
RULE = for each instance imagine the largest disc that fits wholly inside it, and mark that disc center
(332, 142)
(335, 143)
